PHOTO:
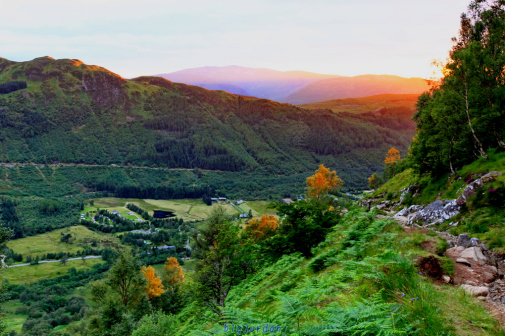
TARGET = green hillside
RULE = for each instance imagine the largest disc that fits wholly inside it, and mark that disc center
(74, 113)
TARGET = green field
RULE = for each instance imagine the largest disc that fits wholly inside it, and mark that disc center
(187, 209)
(26, 274)
(50, 242)
(259, 207)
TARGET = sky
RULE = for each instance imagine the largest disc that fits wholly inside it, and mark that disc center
(134, 38)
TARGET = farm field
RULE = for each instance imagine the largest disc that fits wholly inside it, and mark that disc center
(187, 209)
(259, 207)
(50, 242)
(27, 274)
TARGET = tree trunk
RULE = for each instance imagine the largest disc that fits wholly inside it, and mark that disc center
(450, 158)
(479, 144)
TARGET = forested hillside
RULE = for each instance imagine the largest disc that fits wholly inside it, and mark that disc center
(74, 113)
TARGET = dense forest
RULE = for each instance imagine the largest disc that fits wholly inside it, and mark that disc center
(463, 117)
(74, 113)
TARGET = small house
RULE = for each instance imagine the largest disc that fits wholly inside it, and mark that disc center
(222, 199)
(287, 200)
(243, 215)
(214, 199)
(240, 202)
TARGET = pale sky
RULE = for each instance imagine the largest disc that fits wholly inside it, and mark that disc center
(133, 38)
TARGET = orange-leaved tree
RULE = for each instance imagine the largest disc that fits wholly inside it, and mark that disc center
(154, 286)
(322, 182)
(172, 274)
(392, 156)
(263, 227)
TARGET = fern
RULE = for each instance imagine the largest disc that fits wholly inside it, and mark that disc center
(370, 317)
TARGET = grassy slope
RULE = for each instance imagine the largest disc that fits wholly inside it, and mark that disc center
(365, 104)
(349, 280)
(50, 242)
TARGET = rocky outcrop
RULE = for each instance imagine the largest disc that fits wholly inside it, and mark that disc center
(474, 254)
(471, 188)
(434, 213)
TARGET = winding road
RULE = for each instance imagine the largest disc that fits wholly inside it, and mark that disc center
(52, 261)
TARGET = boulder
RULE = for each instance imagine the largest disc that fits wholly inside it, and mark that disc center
(476, 290)
(402, 213)
(446, 278)
(475, 254)
(463, 240)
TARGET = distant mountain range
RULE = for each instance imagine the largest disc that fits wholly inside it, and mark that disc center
(294, 87)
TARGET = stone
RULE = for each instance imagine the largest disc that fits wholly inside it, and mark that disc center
(475, 254)
(476, 290)
(460, 248)
(475, 241)
(488, 277)
(446, 278)
(502, 300)
(482, 298)
(402, 213)
(483, 247)
(463, 261)
(463, 240)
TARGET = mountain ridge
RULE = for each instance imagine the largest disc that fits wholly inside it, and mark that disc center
(294, 87)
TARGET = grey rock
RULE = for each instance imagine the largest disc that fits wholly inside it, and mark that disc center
(502, 300)
(451, 243)
(435, 213)
(474, 241)
(446, 278)
(403, 212)
(463, 261)
(475, 254)
(463, 240)
(476, 290)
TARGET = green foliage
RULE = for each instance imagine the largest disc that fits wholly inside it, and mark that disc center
(224, 260)
(156, 324)
(463, 118)
(304, 225)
